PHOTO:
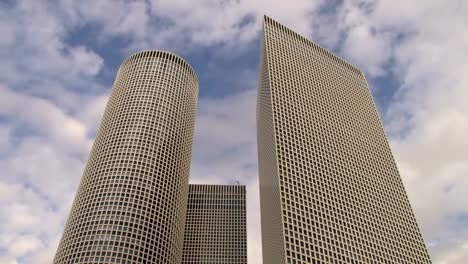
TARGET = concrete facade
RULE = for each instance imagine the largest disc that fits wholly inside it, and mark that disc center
(330, 191)
(131, 202)
(216, 225)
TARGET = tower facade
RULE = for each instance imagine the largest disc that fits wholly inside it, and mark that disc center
(216, 227)
(131, 202)
(330, 191)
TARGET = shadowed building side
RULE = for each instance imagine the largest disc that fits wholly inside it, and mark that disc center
(216, 225)
(330, 191)
(270, 200)
(131, 202)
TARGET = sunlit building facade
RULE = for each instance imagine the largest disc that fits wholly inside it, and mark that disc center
(330, 191)
(131, 202)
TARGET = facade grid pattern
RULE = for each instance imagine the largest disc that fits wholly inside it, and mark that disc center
(330, 190)
(131, 202)
(215, 229)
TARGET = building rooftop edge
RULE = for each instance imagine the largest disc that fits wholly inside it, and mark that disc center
(210, 184)
(148, 51)
(266, 18)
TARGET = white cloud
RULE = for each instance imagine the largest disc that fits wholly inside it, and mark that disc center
(8, 35)
(428, 119)
(19, 216)
(46, 149)
(23, 210)
(37, 57)
(351, 31)
(4, 137)
(230, 23)
(454, 252)
(227, 121)
(115, 18)
(44, 118)
(424, 45)
(368, 50)
(8, 260)
(225, 152)
(93, 110)
(23, 245)
(88, 63)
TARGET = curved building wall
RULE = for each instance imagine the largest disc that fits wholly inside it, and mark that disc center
(131, 203)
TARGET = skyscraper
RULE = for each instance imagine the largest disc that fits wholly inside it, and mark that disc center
(330, 191)
(215, 229)
(131, 203)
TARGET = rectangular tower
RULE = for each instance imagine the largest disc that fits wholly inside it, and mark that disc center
(215, 227)
(330, 190)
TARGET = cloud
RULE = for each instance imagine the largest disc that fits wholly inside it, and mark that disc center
(25, 234)
(454, 252)
(4, 137)
(428, 117)
(44, 155)
(8, 35)
(231, 24)
(44, 118)
(92, 111)
(38, 59)
(225, 122)
(52, 98)
(349, 29)
(23, 245)
(225, 152)
(113, 18)
(370, 51)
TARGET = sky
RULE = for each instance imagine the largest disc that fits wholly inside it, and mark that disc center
(58, 60)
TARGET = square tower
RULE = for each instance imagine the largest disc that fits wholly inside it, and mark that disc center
(215, 227)
(330, 191)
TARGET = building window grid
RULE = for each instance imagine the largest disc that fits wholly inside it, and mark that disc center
(304, 168)
(215, 229)
(104, 225)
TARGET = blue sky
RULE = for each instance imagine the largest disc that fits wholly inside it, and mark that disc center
(59, 60)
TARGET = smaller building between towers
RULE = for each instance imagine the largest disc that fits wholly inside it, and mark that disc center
(215, 227)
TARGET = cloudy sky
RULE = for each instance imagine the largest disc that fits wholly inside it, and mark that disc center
(58, 60)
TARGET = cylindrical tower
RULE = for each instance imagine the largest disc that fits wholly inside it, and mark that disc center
(131, 203)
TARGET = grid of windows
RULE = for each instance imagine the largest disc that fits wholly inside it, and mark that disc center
(215, 227)
(330, 190)
(131, 203)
